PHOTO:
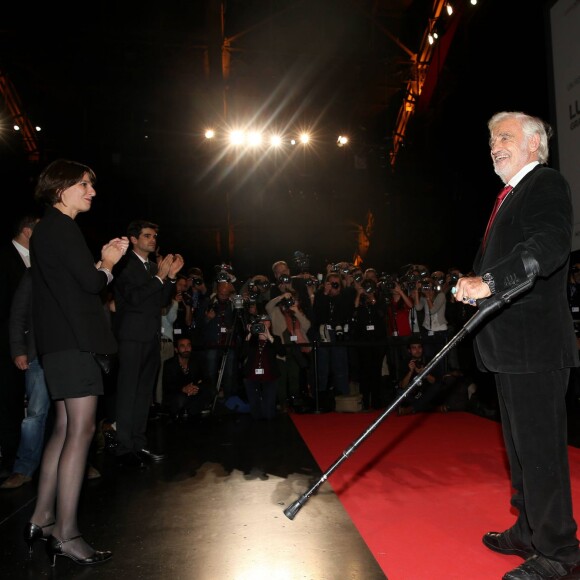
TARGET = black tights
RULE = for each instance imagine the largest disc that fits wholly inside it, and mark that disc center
(62, 471)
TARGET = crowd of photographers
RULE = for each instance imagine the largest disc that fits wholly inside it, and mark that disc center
(295, 340)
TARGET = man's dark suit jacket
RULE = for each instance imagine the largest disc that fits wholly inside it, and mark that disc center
(535, 332)
(13, 268)
(22, 339)
(139, 298)
(67, 308)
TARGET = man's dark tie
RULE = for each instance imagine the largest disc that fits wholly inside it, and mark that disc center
(147, 265)
(502, 194)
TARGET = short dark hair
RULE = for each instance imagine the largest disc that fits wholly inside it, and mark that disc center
(58, 176)
(135, 228)
(26, 221)
(193, 271)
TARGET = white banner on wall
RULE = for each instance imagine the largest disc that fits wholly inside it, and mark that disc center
(565, 41)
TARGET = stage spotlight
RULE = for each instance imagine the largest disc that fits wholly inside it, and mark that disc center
(237, 137)
(342, 141)
(304, 138)
(275, 140)
(210, 134)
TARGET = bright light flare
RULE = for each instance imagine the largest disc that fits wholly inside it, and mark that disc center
(254, 139)
(275, 140)
(237, 137)
(210, 134)
(304, 138)
(342, 140)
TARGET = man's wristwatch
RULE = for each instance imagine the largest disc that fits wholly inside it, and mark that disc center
(488, 279)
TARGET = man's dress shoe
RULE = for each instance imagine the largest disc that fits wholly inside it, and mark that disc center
(502, 543)
(150, 455)
(541, 568)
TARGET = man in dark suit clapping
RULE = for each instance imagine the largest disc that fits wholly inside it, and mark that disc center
(142, 289)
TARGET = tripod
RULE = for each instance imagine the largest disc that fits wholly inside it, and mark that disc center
(238, 318)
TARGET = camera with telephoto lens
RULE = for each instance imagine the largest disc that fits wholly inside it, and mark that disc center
(197, 281)
(190, 298)
(409, 282)
(311, 282)
(454, 278)
(257, 328)
(302, 261)
(419, 364)
(238, 301)
(426, 285)
(283, 279)
(287, 302)
(388, 281)
(222, 277)
(335, 285)
(358, 278)
(369, 286)
(438, 282)
(258, 285)
(224, 273)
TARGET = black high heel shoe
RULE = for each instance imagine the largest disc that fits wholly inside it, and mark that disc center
(32, 533)
(54, 549)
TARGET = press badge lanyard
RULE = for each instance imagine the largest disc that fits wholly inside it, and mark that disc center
(331, 308)
(261, 345)
(370, 326)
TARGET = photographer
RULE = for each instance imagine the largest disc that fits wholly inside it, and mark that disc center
(369, 327)
(284, 282)
(426, 396)
(433, 301)
(256, 293)
(196, 295)
(399, 308)
(260, 369)
(222, 329)
(170, 329)
(292, 326)
(185, 300)
(184, 393)
(332, 311)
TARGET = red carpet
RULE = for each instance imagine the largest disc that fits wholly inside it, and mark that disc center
(422, 489)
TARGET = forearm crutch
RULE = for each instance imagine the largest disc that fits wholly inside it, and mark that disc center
(485, 308)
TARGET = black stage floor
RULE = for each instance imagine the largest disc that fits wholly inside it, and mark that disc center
(213, 510)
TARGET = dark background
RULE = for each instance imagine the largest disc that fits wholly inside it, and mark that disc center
(123, 88)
